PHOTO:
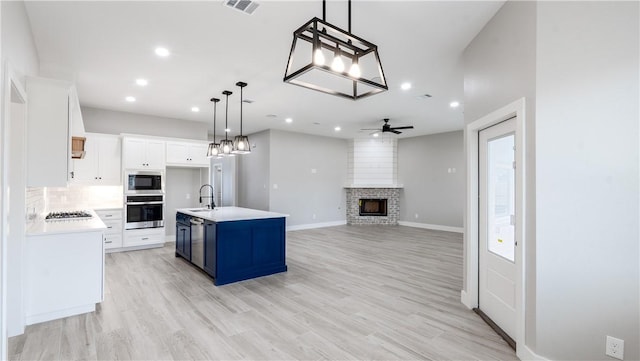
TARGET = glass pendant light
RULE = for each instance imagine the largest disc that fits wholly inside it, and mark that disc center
(226, 145)
(337, 65)
(355, 71)
(241, 142)
(214, 148)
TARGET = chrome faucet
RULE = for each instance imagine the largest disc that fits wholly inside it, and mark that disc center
(210, 196)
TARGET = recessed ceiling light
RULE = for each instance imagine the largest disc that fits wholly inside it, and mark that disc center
(288, 120)
(195, 109)
(405, 86)
(337, 129)
(142, 82)
(163, 52)
(130, 99)
(454, 104)
(376, 135)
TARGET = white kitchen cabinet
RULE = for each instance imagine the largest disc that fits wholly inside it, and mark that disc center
(53, 116)
(143, 153)
(101, 163)
(64, 275)
(112, 218)
(144, 237)
(187, 154)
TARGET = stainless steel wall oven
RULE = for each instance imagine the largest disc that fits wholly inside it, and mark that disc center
(144, 211)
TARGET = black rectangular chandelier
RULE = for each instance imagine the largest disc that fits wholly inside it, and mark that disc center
(353, 71)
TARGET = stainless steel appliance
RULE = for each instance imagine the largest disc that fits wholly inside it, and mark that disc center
(197, 241)
(144, 211)
(144, 182)
(67, 215)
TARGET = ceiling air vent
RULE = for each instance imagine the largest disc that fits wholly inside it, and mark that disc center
(246, 6)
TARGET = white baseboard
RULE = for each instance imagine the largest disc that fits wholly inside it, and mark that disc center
(434, 227)
(464, 298)
(54, 315)
(315, 225)
(524, 353)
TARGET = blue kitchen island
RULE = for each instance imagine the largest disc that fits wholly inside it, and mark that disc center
(232, 243)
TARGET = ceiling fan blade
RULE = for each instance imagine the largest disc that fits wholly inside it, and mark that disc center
(395, 131)
(408, 127)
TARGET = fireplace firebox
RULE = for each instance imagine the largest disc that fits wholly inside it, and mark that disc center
(373, 207)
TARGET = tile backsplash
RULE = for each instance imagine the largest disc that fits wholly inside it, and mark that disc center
(34, 201)
(47, 199)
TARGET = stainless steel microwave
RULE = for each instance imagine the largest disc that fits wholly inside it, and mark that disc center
(144, 182)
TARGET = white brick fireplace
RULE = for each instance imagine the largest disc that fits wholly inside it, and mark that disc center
(373, 176)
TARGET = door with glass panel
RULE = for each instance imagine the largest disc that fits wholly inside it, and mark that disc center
(497, 255)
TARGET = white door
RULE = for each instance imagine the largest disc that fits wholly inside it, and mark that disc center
(497, 252)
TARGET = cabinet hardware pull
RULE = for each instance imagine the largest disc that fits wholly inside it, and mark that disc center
(108, 215)
(108, 241)
(145, 238)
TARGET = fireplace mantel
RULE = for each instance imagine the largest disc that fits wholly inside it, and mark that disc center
(380, 186)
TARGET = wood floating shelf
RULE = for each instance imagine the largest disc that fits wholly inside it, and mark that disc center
(77, 147)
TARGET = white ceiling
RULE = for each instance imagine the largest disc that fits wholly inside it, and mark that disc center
(105, 46)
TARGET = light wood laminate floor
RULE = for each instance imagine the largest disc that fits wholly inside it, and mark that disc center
(351, 293)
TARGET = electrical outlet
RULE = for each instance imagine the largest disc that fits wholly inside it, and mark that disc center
(615, 348)
(188, 196)
(416, 216)
(314, 216)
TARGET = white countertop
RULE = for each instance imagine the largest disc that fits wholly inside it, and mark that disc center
(39, 226)
(228, 214)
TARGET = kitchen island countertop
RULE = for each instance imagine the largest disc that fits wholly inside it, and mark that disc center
(229, 214)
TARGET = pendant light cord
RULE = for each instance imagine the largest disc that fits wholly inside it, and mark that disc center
(349, 17)
(324, 13)
(241, 110)
(324, 10)
(215, 106)
(226, 119)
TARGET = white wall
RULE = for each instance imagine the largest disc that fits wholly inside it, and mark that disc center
(310, 172)
(499, 68)
(18, 49)
(115, 122)
(182, 191)
(587, 178)
(432, 189)
(18, 45)
(253, 173)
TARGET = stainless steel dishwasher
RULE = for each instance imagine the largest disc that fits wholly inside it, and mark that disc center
(197, 241)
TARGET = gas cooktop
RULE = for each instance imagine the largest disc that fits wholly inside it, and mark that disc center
(60, 216)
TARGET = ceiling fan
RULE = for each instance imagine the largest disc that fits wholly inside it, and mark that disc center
(386, 127)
